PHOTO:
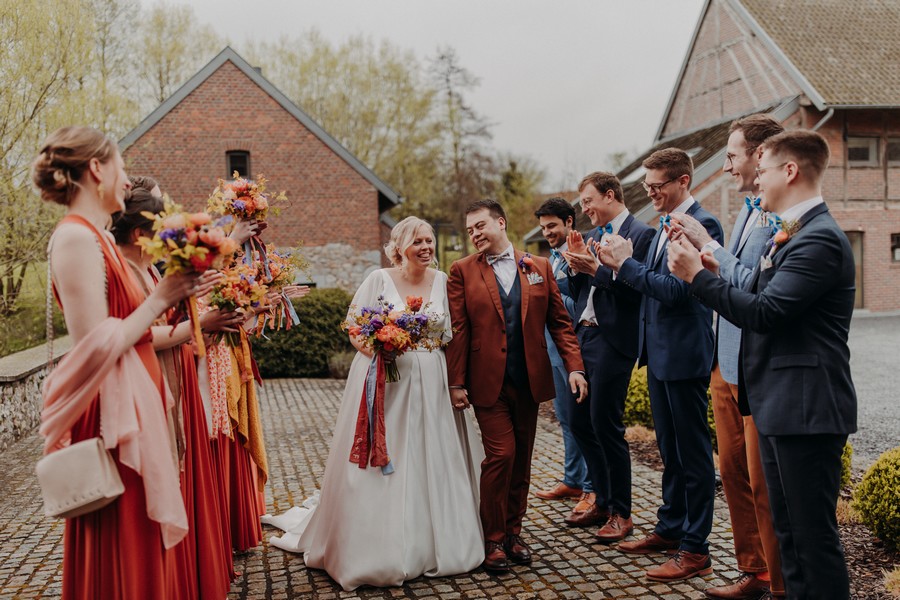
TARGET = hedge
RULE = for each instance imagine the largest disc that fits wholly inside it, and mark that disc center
(877, 498)
(304, 350)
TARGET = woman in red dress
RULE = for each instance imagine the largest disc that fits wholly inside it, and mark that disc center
(204, 556)
(121, 551)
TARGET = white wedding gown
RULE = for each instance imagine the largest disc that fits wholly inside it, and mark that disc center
(372, 529)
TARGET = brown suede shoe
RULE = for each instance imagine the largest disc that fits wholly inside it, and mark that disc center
(649, 544)
(495, 559)
(683, 565)
(592, 516)
(560, 492)
(517, 550)
(617, 528)
(585, 502)
(747, 587)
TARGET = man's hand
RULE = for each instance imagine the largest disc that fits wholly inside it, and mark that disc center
(585, 262)
(709, 262)
(579, 385)
(575, 243)
(684, 260)
(684, 225)
(459, 398)
(615, 252)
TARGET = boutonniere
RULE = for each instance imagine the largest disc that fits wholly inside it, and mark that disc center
(526, 263)
(784, 231)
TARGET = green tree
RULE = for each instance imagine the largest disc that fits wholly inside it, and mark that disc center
(517, 191)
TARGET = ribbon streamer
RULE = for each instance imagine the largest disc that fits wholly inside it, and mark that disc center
(369, 439)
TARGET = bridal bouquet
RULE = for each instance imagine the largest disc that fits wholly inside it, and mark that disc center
(188, 243)
(389, 333)
(242, 198)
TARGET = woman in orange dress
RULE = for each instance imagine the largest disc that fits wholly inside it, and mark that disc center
(121, 551)
(204, 556)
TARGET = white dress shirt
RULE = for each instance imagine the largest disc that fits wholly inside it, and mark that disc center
(588, 314)
(795, 212)
(505, 268)
(681, 208)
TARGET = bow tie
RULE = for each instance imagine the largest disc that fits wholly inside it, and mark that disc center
(492, 258)
(752, 203)
(664, 220)
(608, 228)
(554, 254)
(775, 222)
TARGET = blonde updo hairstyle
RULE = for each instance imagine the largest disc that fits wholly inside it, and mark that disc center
(64, 158)
(402, 237)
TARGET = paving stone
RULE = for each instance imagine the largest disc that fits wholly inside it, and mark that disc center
(298, 419)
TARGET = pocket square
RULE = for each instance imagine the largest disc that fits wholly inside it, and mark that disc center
(534, 278)
(764, 263)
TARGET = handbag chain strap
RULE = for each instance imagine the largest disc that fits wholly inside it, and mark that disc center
(49, 307)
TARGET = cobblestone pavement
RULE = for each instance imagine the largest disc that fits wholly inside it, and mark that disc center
(875, 366)
(298, 418)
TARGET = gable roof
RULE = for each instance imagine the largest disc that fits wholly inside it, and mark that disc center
(809, 39)
(387, 197)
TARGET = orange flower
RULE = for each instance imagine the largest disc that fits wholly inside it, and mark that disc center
(199, 219)
(212, 237)
(528, 261)
(414, 303)
(781, 237)
(202, 263)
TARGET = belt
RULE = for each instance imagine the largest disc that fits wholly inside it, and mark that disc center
(586, 323)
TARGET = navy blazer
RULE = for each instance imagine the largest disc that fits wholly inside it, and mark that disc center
(795, 320)
(675, 335)
(616, 305)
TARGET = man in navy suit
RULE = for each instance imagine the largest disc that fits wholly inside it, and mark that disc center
(795, 363)
(557, 218)
(675, 341)
(607, 326)
(755, 544)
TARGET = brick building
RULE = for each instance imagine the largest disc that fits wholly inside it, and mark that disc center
(229, 117)
(828, 65)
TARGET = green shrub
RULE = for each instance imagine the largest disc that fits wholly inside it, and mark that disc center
(339, 364)
(304, 350)
(846, 465)
(877, 498)
(637, 402)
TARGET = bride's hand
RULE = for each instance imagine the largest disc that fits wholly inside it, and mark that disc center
(459, 398)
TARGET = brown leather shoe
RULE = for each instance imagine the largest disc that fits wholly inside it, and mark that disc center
(517, 550)
(585, 502)
(617, 528)
(747, 587)
(560, 492)
(683, 565)
(651, 543)
(592, 516)
(495, 559)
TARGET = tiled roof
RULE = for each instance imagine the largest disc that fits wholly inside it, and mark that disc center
(848, 50)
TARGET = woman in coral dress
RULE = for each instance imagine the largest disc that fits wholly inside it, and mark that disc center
(121, 551)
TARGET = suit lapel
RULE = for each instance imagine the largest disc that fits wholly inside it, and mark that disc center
(735, 245)
(653, 255)
(523, 284)
(625, 229)
(490, 281)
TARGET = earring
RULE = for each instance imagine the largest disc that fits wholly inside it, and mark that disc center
(100, 190)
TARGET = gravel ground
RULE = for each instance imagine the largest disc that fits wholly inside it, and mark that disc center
(875, 366)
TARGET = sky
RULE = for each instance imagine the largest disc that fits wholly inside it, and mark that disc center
(565, 82)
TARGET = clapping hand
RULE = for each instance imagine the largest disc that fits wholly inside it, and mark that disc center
(578, 256)
(683, 225)
(615, 252)
(684, 260)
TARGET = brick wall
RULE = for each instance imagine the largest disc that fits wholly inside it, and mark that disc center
(330, 202)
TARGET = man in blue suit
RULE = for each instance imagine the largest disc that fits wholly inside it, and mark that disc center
(743, 480)
(795, 363)
(557, 218)
(607, 327)
(675, 341)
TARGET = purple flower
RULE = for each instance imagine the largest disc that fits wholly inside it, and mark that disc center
(376, 323)
(239, 205)
(170, 234)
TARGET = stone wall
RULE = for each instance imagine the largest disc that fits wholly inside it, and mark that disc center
(21, 377)
(340, 265)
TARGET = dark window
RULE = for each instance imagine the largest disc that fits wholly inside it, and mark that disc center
(237, 160)
(893, 151)
(895, 247)
(862, 151)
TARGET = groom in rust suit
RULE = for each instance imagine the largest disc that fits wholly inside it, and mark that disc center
(501, 299)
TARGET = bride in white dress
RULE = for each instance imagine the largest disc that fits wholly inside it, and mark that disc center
(366, 528)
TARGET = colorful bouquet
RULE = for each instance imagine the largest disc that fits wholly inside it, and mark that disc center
(243, 199)
(390, 332)
(188, 243)
(242, 289)
(282, 268)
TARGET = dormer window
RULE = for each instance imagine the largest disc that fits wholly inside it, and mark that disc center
(237, 160)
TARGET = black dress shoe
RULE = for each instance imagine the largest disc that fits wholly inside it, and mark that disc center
(495, 560)
(517, 551)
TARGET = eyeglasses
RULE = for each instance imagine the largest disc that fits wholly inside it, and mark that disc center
(761, 170)
(655, 187)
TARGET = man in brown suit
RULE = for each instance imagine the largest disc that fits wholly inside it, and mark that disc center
(500, 301)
